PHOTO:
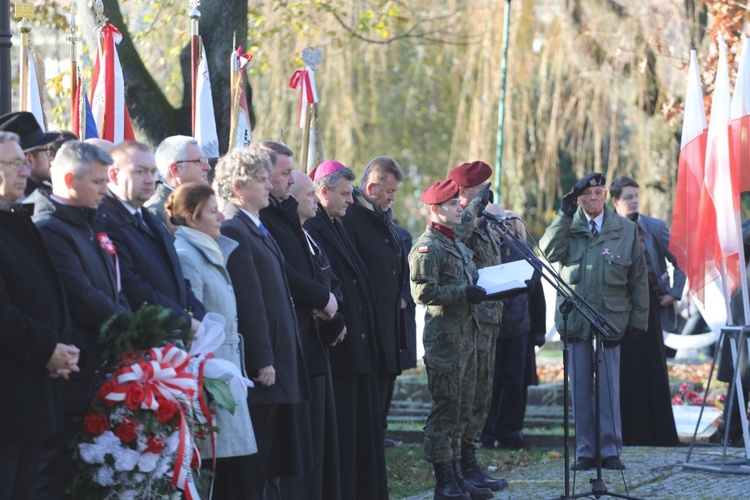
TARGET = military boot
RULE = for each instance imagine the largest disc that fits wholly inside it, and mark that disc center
(474, 492)
(445, 484)
(475, 475)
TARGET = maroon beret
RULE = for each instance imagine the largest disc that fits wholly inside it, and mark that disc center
(440, 192)
(470, 174)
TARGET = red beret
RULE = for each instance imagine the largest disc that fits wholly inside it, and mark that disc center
(470, 174)
(440, 192)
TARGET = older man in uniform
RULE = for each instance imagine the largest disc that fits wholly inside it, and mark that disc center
(443, 278)
(600, 258)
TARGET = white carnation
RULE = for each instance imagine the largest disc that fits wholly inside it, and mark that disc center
(125, 459)
(173, 442)
(163, 468)
(147, 462)
(108, 441)
(92, 453)
(105, 475)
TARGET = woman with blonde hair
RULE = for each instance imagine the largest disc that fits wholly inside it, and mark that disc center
(203, 253)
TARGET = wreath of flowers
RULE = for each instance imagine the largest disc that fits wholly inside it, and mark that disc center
(139, 435)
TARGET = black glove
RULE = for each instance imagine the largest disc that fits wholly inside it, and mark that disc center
(485, 195)
(530, 286)
(475, 294)
(631, 333)
(569, 203)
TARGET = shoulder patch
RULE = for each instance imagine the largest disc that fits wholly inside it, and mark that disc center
(422, 249)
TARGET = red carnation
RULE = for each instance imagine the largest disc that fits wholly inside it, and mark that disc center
(166, 411)
(126, 431)
(134, 396)
(155, 444)
(96, 423)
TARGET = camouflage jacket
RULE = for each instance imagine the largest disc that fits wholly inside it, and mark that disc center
(441, 270)
(486, 248)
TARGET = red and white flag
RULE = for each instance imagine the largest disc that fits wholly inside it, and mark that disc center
(108, 92)
(239, 126)
(718, 224)
(683, 236)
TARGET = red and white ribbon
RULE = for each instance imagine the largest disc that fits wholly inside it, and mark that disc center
(108, 246)
(304, 79)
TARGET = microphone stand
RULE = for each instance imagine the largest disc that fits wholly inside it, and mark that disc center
(571, 300)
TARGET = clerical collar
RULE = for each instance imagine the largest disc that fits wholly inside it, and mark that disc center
(447, 231)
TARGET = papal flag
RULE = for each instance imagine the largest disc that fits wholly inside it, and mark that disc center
(108, 94)
(205, 120)
(239, 126)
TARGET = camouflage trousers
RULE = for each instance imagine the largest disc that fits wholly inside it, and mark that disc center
(486, 342)
(450, 359)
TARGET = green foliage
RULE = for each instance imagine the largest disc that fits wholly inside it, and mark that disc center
(219, 391)
(150, 326)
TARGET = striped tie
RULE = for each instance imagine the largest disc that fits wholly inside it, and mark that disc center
(594, 230)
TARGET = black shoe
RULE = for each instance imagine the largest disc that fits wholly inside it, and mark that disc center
(468, 486)
(390, 443)
(583, 463)
(446, 487)
(613, 463)
(513, 442)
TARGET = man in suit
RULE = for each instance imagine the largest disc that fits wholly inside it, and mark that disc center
(35, 333)
(643, 359)
(354, 361)
(310, 297)
(88, 269)
(369, 222)
(179, 160)
(36, 144)
(150, 269)
(267, 320)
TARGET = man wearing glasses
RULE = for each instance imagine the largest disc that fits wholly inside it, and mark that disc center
(36, 145)
(179, 160)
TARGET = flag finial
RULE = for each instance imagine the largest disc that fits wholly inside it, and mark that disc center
(312, 57)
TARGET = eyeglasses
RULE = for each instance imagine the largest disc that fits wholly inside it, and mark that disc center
(47, 150)
(16, 163)
(197, 161)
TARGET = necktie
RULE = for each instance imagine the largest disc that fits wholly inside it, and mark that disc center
(262, 229)
(594, 230)
(142, 223)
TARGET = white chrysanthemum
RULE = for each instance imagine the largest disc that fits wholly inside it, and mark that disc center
(147, 462)
(125, 459)
(163, 468)
(108, 441)
(173, 442)
(105, 475)
(92, 453)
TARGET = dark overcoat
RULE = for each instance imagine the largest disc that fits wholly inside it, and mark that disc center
(33, 319)
(90, 283)
(149, 267)
(375, 238)
(265, 311)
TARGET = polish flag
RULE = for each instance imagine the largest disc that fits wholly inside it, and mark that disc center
(719, 224)
(741, 121)
(683, 236)
(108, 93)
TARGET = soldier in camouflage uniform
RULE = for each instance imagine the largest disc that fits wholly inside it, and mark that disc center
(443, 278)
(472, 180)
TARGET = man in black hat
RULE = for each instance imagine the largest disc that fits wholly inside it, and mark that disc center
(36, 145)
(601, 259)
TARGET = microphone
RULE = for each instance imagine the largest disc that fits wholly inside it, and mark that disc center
(479, 212)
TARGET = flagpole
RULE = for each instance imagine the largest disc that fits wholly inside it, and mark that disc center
(306, 134)
(195, 17)
(73, 60)
(101, 20)
(24, 10)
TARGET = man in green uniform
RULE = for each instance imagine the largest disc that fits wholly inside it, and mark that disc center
(443, 278)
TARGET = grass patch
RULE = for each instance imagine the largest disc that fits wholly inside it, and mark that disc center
(410, 474)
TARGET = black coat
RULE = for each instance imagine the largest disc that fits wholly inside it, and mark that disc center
(374, 236)
(88, 277)
(149, 265)
(265, 311)
(282, 221)
(358, 353)
(34, 318)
